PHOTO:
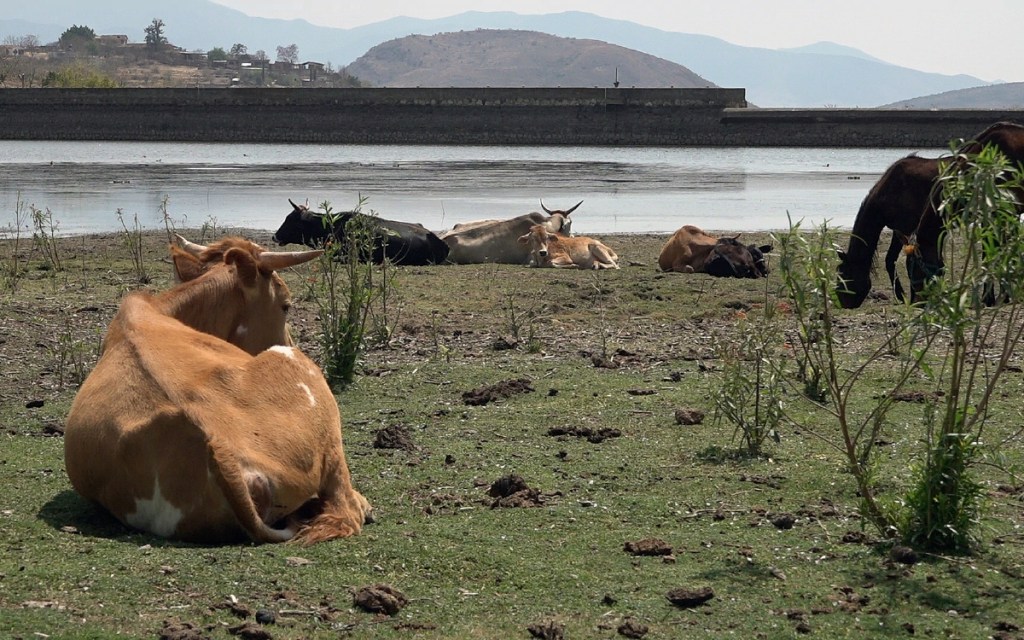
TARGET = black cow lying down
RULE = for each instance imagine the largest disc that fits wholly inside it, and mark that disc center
(400, 242)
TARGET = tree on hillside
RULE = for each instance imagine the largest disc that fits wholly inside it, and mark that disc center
(217, 53)
(261, 55)
(288, 54)
(239, 49)
(155, 37)
(79, 75)
(22, 42)
(76, 37)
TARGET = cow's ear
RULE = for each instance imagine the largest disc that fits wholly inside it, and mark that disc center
(245, 264)
(523, 239)
(187, 267)
(765, 248)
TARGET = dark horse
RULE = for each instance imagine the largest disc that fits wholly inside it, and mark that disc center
(897, 201)
(905, 199)
(926, 260)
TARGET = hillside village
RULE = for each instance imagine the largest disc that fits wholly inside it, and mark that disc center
(466, 54)
(84, 59)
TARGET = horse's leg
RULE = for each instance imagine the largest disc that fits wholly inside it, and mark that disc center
(895, 248)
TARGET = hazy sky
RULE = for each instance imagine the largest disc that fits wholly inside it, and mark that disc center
(982, 38)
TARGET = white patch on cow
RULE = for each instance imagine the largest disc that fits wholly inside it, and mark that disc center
(155, 514)
(241, 330)
(285, 351)
(309, 393)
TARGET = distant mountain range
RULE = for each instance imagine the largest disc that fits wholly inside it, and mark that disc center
(1009, 95)
(821, 75)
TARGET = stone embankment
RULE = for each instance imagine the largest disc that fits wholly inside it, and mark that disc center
(457, 116)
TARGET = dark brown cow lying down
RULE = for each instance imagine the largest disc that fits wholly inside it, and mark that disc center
(201, 422)
(691, 250)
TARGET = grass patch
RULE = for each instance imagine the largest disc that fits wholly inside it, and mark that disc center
(777, 537)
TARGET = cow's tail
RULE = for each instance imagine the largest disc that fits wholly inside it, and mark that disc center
(231, 479)
(341, 511)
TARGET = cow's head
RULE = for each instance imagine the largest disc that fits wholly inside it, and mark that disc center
(303, 226)
(537, 240)
(731, 259)
(559, 221)
(757, 254)
(230, 289)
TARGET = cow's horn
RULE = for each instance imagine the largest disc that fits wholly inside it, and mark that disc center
(275, 260)
(294, 206)
(546, 210)
(190, 247)
(574, 208)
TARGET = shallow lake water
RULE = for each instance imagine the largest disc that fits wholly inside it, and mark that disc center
(623, 189)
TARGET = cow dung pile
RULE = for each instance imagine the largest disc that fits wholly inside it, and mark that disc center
(512, 491)
(394, 436)
(499, 391)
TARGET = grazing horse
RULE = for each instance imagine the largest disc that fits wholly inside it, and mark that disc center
(924, 246)
(897, 201)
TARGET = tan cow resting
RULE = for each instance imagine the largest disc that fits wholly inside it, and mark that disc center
(580, 252)
(201, 422)
(495, 240)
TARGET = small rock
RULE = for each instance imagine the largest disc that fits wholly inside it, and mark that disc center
(689, 598)
(250, 631)
(648, 547)
(504, 344)
(394, 436)
(784, 521)
(547, 630)
(174, 630)
(903, 555)
(630, 628)
(380, 598)
(266, 616)
(34, 404)
(507, 485)
(689, 416)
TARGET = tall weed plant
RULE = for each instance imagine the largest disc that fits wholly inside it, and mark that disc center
(45, 237)
(131, 237)
(824, 376)
(753, 382)
(984, 243)
(347, 293)
(12, 267)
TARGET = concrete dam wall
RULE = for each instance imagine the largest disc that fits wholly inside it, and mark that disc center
(461, 116)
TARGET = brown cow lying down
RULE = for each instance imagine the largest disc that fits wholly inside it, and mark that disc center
(553, 250)
(201, 422)
(691, 250)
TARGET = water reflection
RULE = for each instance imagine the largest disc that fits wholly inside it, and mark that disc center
(623, 189)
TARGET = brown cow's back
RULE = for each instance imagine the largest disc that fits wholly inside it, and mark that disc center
(179, 432)
(687, 250)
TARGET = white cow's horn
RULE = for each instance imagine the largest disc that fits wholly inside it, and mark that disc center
(275, 260)
(191, 247)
